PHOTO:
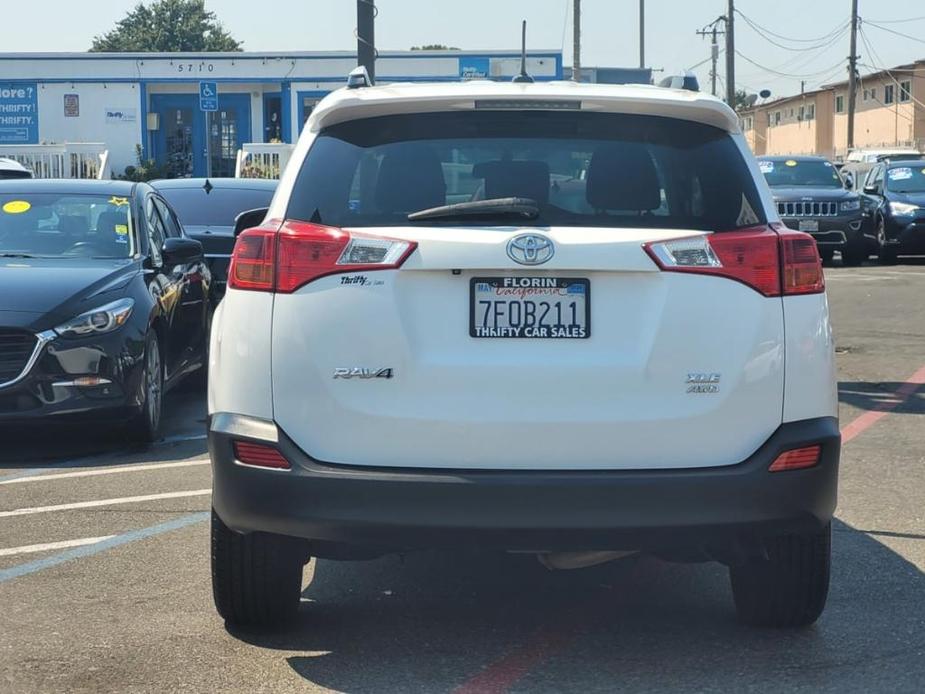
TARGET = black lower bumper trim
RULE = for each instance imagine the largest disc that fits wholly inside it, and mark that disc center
(532, 510)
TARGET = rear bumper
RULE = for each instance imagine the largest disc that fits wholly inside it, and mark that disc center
(396, 509)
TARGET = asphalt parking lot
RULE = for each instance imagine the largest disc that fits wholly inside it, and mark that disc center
(104, 571)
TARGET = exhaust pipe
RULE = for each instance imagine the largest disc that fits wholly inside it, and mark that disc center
(580, 560)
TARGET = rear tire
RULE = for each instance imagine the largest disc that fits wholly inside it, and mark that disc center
(789, 588)
(256, 578)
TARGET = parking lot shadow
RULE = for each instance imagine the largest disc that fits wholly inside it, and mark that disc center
(881, 395)
(436, 620)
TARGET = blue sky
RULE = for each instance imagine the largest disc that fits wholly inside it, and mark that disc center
(609, 30)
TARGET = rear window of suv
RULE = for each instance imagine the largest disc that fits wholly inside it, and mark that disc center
(582, 169)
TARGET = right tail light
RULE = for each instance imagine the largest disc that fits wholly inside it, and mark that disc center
(772, 260)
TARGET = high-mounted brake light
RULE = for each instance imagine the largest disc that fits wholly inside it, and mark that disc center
(773, 260)
(797, 459)
(260, 455)
(301, 252)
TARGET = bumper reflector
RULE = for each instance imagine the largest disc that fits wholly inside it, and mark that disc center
(259, 455)
(797, 459)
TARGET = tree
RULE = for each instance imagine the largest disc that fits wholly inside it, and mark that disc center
(741, 103)
(434, 47)
(167, 26)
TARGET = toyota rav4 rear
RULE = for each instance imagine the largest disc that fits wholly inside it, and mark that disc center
(553, 318)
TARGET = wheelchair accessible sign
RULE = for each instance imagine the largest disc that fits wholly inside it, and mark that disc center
(208, 96)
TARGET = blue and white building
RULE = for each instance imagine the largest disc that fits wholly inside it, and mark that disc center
(150, 101)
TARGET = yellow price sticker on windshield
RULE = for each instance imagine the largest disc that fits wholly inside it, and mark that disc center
(121, 229)
(118, 202)
(17, 207)
(791, 162)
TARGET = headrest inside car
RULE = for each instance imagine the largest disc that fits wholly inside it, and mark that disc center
(622, 176)
(410, 179)
(514, 179)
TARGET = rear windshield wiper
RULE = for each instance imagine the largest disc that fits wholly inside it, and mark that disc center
(523, 208)
(16, 255)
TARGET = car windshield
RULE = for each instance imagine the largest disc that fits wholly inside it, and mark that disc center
(580, 169)
(217, 208)
(796, 173)
(66, 225)
(906, 179)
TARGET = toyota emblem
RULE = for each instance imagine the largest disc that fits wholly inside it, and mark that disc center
(530, 249)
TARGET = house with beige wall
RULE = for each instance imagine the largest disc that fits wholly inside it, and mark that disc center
(890, 112)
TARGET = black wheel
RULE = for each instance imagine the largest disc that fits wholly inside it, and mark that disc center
(789, 588)
(146, 426)
(256, 578)
(826, 255)
(886, 255)
(854, 254)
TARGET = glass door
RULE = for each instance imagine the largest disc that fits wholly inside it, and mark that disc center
(229, 129)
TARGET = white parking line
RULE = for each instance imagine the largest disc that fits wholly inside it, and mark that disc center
(65, 544)
(104, 471)
(103, 502)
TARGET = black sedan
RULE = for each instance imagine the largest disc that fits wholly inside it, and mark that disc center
(894, 195)
(104, 303)
(207, 209)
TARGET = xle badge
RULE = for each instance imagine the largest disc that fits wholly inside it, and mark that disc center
(702, 382)
(357, 372)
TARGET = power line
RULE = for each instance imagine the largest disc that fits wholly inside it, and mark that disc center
(893, 31)
(785, 74)
(825, 42)
(886, 71)
(757, 26)
(895, 21)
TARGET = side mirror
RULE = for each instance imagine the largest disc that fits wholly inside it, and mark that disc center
(849, 182)
(871, 189)
(177, 251)
(248, 219)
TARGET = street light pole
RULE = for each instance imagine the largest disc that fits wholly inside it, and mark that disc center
(576, 40)
(730, 55)
(852, 72)
(642, 33)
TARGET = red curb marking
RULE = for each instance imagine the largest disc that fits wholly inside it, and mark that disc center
(501, 675)
(861, 423)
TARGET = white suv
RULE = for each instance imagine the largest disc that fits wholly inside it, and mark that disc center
(552, 317)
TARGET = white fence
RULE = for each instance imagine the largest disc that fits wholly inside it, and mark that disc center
(70, 160)
(262, 160)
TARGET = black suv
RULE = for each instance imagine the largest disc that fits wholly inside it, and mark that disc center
(811, 196)
(894, 199)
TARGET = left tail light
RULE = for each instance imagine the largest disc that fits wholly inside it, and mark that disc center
(301, 252)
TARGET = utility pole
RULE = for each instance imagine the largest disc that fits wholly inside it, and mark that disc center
(642, 34)
(712, 31)
(366, 36)
(730, 55)
(576, 40)
(852, 72)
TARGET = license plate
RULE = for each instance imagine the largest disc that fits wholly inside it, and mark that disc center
(540, 307)
(809, 225)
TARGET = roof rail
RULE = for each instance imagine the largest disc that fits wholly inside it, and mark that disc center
(686, 80)
(358, 77)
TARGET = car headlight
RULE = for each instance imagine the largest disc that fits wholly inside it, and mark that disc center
(100, 320)
(903, 209)
(850, 205)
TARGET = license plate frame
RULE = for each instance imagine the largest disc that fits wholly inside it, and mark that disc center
(580, 330)
(809, 225)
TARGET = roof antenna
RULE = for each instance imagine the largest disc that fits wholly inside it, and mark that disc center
(523, 77)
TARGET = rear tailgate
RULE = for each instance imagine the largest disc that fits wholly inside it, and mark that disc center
(678, 370)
